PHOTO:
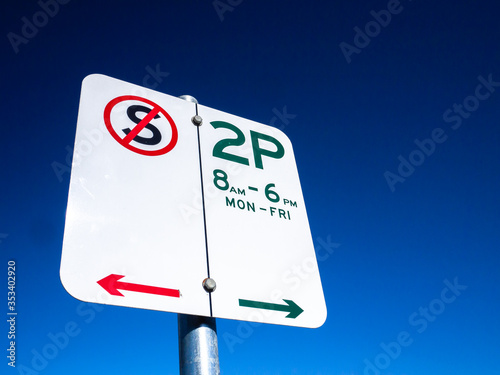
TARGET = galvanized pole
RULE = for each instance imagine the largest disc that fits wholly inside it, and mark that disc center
(198, 346)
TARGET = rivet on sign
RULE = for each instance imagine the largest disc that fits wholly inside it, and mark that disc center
(209, 285)
(197, 120)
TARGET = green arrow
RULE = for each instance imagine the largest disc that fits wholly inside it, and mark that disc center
(291, 307)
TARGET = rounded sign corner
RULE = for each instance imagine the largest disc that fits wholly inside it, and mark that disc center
(323, 319)
(67, 286)
(281, 133)
(93, 76)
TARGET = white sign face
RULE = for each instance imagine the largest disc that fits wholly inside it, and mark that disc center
(124, 212)
(260, 249)
(146, 225)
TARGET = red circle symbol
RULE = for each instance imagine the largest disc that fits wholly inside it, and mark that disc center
(133, 134)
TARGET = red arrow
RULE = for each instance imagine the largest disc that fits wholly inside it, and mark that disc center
(111, 285)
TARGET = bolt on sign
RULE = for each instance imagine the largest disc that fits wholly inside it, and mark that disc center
(174, 206)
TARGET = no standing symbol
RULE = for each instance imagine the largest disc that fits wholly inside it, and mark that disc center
(140, 125)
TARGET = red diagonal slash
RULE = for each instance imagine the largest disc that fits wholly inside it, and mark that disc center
(137, 129)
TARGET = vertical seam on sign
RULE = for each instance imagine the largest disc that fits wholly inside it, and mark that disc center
(203, 207)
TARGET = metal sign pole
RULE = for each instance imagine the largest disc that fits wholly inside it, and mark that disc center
(198, 347)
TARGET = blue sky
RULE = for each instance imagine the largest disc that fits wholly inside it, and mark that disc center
(392, 109)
